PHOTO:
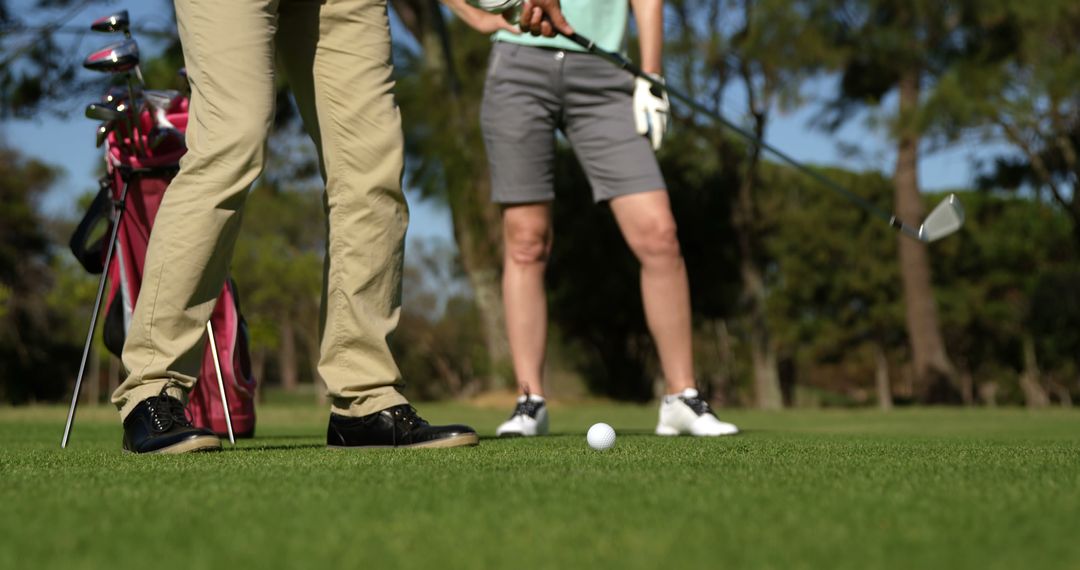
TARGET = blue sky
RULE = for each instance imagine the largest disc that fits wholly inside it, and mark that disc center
(68, 142)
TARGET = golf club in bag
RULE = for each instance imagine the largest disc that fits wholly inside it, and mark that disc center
(138, 173)
(944, 220)
(130, 196)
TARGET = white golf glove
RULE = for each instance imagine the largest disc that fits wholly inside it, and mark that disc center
(651, 110)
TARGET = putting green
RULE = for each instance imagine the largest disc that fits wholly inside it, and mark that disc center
(829, 489)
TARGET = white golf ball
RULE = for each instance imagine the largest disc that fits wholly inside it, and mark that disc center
(601, 436)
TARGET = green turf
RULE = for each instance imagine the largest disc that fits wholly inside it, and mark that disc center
(909, 489)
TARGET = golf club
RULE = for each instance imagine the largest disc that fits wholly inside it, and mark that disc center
(119, 209)
(104, 113)
(120, 57)
(221, 382)
(103, 131)
(118, 22)
(159, 102)
(945, 219)
(117, 93)
(111, 115)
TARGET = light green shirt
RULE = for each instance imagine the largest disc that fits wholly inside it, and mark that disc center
(602, 21)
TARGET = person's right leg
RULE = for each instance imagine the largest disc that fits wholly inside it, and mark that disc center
(526, 246)
(519, 115)
(228, 50)
(337, 57)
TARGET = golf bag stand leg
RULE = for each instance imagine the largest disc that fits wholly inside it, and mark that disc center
(221, 382)
(120, 207)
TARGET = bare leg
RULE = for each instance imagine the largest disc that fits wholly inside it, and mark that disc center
(649, 229)
(527, 241)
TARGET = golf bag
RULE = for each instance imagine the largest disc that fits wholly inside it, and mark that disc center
(139, 183)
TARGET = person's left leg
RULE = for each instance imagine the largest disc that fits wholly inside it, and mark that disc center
(624, 172)
(337, 58)
(648, 226)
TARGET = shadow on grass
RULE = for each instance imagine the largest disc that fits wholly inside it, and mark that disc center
(246, 448)
(634, 433)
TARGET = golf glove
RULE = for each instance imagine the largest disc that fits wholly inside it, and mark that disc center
(651, 110)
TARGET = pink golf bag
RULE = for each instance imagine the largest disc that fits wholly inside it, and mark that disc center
(139, 182)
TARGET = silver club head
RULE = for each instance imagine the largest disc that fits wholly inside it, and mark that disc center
(114, 58)
(944, 220)
(161, 98)
(105, 113)
(118, 22)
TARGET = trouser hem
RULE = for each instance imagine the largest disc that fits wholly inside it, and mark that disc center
(148, 390)
(368, 403)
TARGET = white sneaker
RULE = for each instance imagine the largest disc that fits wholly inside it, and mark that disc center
(687, 413)
(530, 418)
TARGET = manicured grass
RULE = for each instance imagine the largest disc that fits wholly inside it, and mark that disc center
(831, 489)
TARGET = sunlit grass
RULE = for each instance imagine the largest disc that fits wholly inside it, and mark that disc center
(829, 489)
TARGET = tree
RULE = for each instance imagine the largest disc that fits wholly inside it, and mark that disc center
(1008, 310)
(761, 50)
(1028, 99)
(904, 47)
(836, 301)
(35, 361)
(439, 342)
(278, 263)
(447, 160)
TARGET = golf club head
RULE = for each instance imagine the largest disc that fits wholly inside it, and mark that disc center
(162, 99)
(944, 220)
(116, 94)
(103, 131)
(171, 135)
(100, 112)
(118, 22)
(114, 58)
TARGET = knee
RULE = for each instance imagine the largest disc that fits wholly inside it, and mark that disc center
(238, 144)
(656, 241)
(248, 141)
(527, 244)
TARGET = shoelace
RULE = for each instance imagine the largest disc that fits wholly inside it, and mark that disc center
(407, 415)
(699, 406)
(527, 408)
(166, 412)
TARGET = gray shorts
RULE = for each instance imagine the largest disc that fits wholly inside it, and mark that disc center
(531, 92)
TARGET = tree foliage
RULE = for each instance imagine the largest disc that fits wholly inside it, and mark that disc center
(1005, 287)
(32, 353)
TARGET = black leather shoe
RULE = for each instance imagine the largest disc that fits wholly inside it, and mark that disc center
(158, 425)
(398, 426)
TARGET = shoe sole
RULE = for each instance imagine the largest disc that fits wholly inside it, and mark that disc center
(193, 445)
(666, 431)
(463, 440)
(513, 434)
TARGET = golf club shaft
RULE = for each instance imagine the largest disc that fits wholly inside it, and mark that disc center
(624, 63)
(132, 109)
(221, 382)
(94, 317)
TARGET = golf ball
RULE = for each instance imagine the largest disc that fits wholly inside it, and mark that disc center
(601, 436)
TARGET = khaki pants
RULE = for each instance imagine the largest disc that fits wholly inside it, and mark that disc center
(337, 57)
